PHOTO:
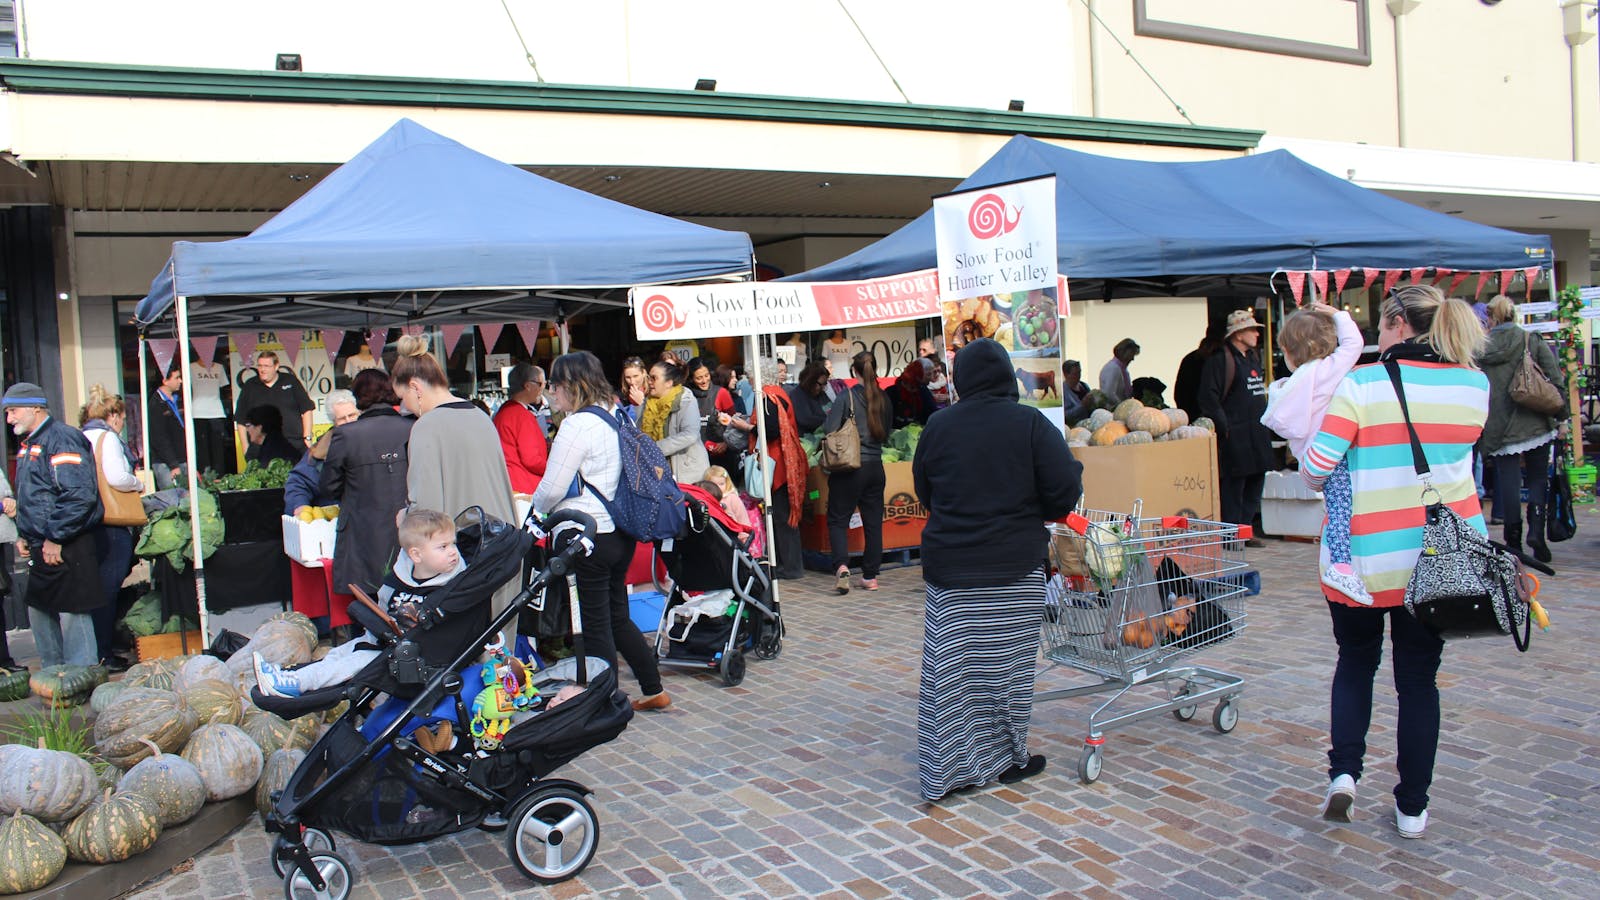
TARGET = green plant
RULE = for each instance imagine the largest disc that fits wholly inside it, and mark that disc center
(53, 729)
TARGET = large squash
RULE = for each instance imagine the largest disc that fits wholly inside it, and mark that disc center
(272, 733)
(1149, 420)
(300, 620)
(281, 642)
(1184, 432)
(229, 762)
(1133, 437)
(1176, 418)
(66, 685)
(214, 700)
(140, 715)
(156, 673)
(1205, 423)
(31, 855)
(1099, 417)
(1107, 434)
(106, 694)
(14, 685)
(275, 775)
(50, 785)
(1125, 409)
(202, 667)
(113, 828)
(169, 781)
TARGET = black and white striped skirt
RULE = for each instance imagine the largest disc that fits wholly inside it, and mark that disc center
(979, 655)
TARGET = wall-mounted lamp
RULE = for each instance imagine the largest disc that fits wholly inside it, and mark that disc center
(1015, 106)
(706, 84)
(288, 62)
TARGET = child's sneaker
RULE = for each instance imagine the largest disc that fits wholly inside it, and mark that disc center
(1341, 797)
(1347, 583)
(273, 681)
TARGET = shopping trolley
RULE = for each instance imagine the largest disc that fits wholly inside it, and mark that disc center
(1127, 598)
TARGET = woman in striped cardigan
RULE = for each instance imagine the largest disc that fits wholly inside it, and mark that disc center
(1434, 340)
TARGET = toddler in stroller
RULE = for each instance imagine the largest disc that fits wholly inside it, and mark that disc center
(389, 773)
(719, 604)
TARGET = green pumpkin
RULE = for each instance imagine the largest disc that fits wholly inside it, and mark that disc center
(278, 641)
(213, 700)
(66, 685)
(203, 667)
(140, 715)
(31, 855)
(275, 776)
(14, 685)
(105, 695)
(169, 781)
(113, 828)
(156, 673)
(50, 785)
(228, 760)
(272, 732)
(301, 621)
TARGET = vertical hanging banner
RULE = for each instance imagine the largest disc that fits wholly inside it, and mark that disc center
(997, 279)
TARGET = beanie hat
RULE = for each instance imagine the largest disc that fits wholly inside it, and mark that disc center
(23, 394)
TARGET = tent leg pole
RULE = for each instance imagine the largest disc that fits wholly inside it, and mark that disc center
(752, 355)
(193, 477)
(144, 410)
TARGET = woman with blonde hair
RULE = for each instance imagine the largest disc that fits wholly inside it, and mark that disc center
(1427, 345)
(102, 420)
(1517, 440)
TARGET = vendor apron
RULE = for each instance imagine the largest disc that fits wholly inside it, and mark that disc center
(73, 586)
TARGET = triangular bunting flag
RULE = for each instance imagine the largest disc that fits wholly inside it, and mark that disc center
(163, 349)
(1529, 276)
(1441, 274)
(1390, 279)
(377, 339)
(530, 334)
(1297, 285)
(1483, 279)
(332, 340)
(412, 328)
(491, 333)
(291, 346)
(244, 343)
(1340, 276)
(1506, 277)
(1320, 281)
(205, 348)
(1455, 282)
(1418, 274)
(452, 336)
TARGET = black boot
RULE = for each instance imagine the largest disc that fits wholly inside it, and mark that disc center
(1541, 550)
(1512, 536)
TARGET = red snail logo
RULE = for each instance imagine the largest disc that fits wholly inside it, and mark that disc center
(989, 217)
(660, 315)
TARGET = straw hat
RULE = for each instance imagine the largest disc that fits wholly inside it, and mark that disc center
(1239, 320)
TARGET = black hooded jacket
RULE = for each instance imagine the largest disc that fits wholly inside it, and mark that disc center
(991, 472)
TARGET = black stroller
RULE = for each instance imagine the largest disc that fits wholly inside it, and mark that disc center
(369, 775)
(709, 556)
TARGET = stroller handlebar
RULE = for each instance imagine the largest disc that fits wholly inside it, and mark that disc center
(572, 535)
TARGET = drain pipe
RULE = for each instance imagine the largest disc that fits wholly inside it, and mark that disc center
(1397, 11)
(1578, 27)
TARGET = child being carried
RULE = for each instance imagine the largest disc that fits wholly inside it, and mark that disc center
(428, 560)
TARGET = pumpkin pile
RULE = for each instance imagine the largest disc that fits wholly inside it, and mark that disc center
(170, 736)
(1131, 422)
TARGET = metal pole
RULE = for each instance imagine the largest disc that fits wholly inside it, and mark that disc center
(752, 352)
(144, 410)
(193, 476)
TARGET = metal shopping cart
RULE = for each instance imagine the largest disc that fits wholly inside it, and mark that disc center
(1127, 598)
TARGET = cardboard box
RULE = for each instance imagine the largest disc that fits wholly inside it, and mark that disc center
(309, 543)
(903, 514)
(1171, 477)
(170, 644)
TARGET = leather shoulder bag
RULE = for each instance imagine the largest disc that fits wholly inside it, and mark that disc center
(1530, 389)
(841, 449)
(122, 508)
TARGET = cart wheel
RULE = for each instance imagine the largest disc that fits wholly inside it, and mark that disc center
(335, 873)
(733, 668)
(1089, 765)
(1225, 717)
(553, 834)
(769, 645)
(1184, 713)
(315, 840)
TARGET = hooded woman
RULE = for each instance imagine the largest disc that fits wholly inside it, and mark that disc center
(983, 558)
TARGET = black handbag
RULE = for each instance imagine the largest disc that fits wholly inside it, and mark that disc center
(1560, 521)
(1463, 585)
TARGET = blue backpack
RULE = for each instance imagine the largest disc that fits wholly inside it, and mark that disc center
(648, 505)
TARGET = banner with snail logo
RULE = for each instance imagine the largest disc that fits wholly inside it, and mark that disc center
(997, 279)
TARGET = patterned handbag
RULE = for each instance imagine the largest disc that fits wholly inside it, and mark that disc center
(1463, 586)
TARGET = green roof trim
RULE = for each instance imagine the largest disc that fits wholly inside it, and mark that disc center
(27, 76)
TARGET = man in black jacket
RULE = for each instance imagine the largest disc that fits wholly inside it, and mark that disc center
(167, 453)
(58, 503)
(1233, 393)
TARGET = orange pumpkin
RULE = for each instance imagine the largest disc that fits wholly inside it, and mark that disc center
(1107, 434)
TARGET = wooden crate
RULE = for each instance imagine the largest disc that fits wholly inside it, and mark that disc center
(163, 646)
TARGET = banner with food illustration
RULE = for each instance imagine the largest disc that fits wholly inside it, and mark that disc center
(997, 279)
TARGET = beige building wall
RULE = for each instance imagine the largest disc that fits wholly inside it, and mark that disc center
(1166, 329)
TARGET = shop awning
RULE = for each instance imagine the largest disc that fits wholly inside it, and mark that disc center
(1135, 228)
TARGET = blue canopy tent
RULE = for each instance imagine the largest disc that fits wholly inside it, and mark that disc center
(417, 230)
(1135, 228)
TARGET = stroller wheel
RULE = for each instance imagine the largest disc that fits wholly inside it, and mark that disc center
(335, 873)
(315, 839)
(733, 668)
(770, 643)
(553, 834)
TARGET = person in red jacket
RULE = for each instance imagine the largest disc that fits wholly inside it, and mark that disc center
(522, 436)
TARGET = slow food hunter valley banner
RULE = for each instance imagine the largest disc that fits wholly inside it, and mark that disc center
(997, 279)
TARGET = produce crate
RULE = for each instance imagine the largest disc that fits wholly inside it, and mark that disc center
(164, 646)
(1582, 480)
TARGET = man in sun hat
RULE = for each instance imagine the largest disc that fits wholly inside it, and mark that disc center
(58, 503)
(1233, 393)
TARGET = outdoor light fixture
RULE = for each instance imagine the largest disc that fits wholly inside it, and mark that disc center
(613, 179)
(288, 62)
(1015, 106)
(706, 84)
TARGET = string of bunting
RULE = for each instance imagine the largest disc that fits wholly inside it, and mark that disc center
(1389, 278)
(245, 342)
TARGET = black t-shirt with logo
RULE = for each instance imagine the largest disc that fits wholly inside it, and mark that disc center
(286, 394)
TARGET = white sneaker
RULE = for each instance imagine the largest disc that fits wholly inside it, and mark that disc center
(1348, 584)
(1341, 797)
(1410, 826)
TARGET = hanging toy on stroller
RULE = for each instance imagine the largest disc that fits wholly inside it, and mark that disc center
(396, 772)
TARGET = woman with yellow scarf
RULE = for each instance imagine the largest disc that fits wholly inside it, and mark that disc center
(672, 417)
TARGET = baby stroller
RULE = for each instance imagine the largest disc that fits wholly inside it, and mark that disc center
(370, 776)
(736, 612)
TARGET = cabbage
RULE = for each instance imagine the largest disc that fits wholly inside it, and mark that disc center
(1105, 554)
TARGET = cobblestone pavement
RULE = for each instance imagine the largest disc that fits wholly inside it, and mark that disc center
(802, 780)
